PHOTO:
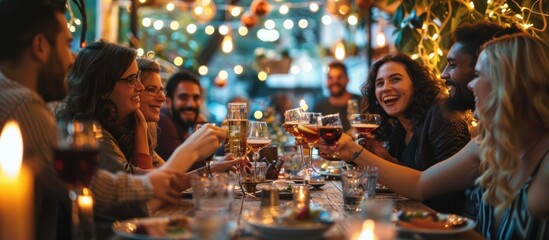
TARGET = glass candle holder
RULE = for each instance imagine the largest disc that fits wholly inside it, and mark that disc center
(301, 196)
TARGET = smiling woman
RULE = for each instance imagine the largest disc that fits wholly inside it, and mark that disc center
(418, 131)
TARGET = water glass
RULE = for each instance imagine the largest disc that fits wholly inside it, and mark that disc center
(369, 181)
(301, 196)
(215, 193)
(353, 193)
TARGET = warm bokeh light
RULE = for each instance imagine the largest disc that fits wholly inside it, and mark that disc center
(339, 52)
(238, 69)
(314, 7)
(223, 29)
(140, 52)
(295, 70)
(204, 10)
(243, 31)
(262, 76)
(303, 23)
(303, 105)
(235, 11)
(352, 20)
(191, 28)
(11, 148)
(284, 9)
(258, 114)
(203, 70)
(170, 7)
(227, 44)
(178, 61)
(174, 25)
(209, 30)
(270, 24)
(326, 19)
(381, 40)
(288, 24)
(158, 25)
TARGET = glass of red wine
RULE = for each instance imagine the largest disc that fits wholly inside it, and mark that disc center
(209, 159)
(330, 130)
(76, 159)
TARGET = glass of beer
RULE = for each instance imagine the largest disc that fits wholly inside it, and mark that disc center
(365, 123)
(308, 129)
(330, 130)
(209, 159)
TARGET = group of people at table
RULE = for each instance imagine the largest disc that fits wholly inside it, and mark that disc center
(430, 152)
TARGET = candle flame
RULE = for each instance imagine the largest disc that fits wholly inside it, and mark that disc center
(367, 230)
(11, 149)
(85, 191)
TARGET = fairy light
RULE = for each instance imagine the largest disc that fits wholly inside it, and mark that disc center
(170, 7)
(243, 31)
(262, 76)
(174, 25)
(431, 55)
(227, 44)
(191, 28)
(352, 20)
(270, 24)
(415, 56)
(471, 5)
(238, 69)
(303, 23)
(313, 7)
(142, 1)
(223, 30)
(140, 52)
(77, 22)
(518, 16)
(203, 70)
(146, 22)
(178, 61)
(339, 52)
(158, 25)
(326, 20)
(209, 30)
(258, 114)
(381, 40)
(439, 52)
(284, 9)
(72, 28)
(236, 11)
(288, 24)
(223, 74)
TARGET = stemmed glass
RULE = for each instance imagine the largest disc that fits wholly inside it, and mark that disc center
(76, 159)
(291, 120)
(330, 130)
(365, 123)
(209, 159)
(308, 129)
(258, 138)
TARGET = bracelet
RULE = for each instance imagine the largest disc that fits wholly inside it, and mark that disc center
(356, 154)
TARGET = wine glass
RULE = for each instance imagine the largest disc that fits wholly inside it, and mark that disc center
(291, 120)
(330, 130)
(308, 129)
(365, 123)
(76, 159)
(258, 138)
(209, 159)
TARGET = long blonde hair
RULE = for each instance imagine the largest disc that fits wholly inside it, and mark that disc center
(518, 67)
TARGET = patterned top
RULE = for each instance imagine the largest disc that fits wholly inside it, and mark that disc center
(517, 222)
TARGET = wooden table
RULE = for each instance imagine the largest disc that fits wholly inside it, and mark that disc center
(328, 197)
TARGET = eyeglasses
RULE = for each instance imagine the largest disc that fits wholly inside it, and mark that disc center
(154, 91)
(132, 79)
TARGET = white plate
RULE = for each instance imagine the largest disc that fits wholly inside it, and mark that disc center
(265, 225)
(470, 225)
(127, 228)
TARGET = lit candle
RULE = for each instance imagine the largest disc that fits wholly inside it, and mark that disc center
(367, 233)
(301, 196)
(85, 208)
(16, 183)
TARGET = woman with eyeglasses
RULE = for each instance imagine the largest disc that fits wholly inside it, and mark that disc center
(152, 100)
(104, 85)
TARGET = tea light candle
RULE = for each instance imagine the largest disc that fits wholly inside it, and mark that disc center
(16, 184)
(367, 233)
(85, 214)
(301, 196)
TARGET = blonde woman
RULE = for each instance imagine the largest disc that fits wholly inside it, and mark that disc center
(508, 162)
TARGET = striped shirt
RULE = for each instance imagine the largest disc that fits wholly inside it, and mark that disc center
(39, 132)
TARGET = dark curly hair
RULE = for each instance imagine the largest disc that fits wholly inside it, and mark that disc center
(93, 76)
(427, 90)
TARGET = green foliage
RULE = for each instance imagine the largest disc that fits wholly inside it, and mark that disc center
(423, 28)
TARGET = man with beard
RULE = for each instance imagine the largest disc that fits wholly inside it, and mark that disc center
(34, 58)
(337, 81)
(462, 58)
(181, 113)
(460, 70)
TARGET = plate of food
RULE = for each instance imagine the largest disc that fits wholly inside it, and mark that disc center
(431, 223)
(164, 228)
(290, 223)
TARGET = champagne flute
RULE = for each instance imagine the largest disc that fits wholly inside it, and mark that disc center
(330, 130)
(76, 159)
(209, 159)
(308, 129)
(258, 138)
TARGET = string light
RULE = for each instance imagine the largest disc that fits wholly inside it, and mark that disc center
(243, 31)
(288, 24)
(178, 61)
(191, 28)
(238, 69)
(174, 25)
(227, 44)
(262, 76)
(284, 9)
(203, 70)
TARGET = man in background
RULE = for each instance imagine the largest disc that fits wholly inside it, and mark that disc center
(337, 80)
(181, 113)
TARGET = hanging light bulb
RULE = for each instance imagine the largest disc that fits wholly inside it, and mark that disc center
(339, 50)
(227, 44)
(260, 8)
(204, 10)
(338, 8)
(381, 40)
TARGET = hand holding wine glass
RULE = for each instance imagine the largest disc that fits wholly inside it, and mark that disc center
(330, 130)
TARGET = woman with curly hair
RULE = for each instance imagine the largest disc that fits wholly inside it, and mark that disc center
(508, 162)
(418, 130)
